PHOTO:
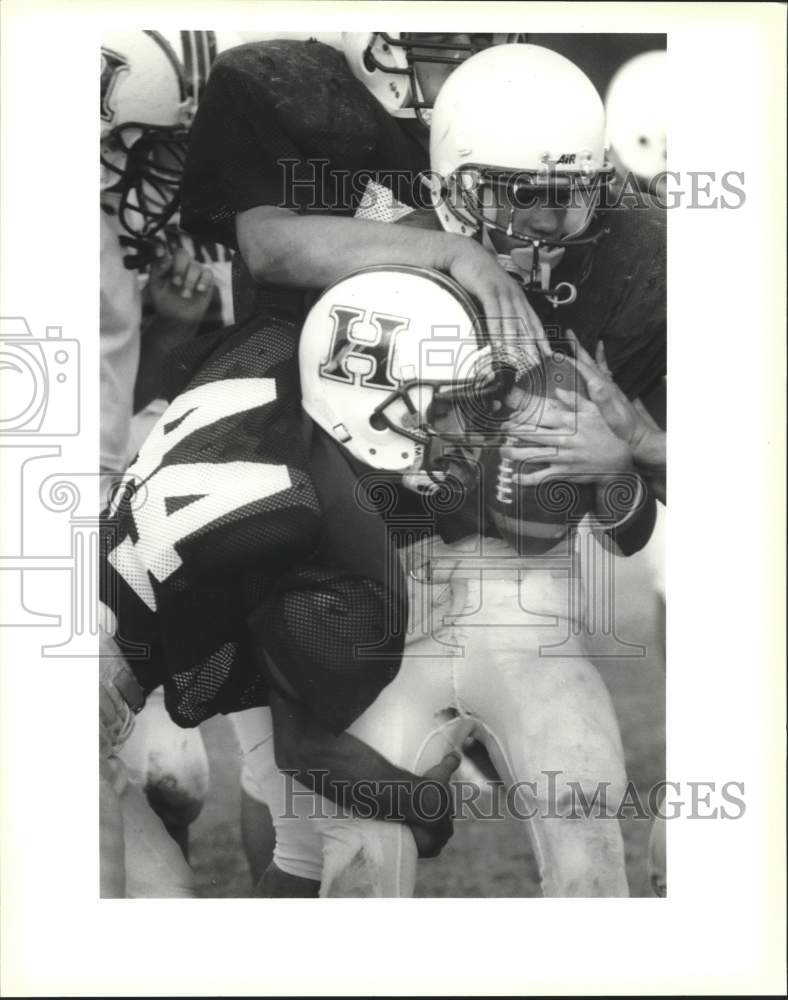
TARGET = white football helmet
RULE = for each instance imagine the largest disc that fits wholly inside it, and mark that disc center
(385, 63)
(636, 121)
(197, 52)
(552, 147)
(147, 105)
(386, 352)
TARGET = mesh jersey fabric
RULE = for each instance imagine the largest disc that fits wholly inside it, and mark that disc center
(204, 627)
(621, 284)
(623, 299)
(266, 578)
(286, 123)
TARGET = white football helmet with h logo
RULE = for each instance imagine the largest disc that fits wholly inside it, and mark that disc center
(385, 353)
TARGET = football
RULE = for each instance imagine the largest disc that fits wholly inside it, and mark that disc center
(533, 519)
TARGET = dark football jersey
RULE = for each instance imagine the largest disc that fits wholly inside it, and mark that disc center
(286, 123)
(230, 552)
(221, 555)
(621, 299)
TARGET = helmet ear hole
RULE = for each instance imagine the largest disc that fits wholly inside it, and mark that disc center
(377, 422)
(369, 64)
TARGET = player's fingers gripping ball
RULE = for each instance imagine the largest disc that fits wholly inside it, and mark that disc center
(534, 518)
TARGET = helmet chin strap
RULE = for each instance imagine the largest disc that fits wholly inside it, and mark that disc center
(532, 265)
(450, 473)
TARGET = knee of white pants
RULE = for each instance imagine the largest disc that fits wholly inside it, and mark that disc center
(298, 846)
(367, 858)
(155, 866)
(254, 731)
(169, 762)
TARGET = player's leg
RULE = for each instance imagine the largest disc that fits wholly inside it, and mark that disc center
(409, 725)
(257, 828)
(114, 721)
(138, 859)
(276, 884)
(257, 833)
(363, 857)
(549, 721)
(112, 848)
(287, 853)
(155, 865)
(171, 765)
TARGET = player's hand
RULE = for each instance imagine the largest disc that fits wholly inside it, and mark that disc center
(514, 327)
(625, 418)
(432, 832)
(113, 715)
(572, 437)
(179, 288)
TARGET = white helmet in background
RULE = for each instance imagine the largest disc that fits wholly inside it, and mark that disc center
(385, 63)
(151, 83)
(636, 120)
(552, 145)
(142, 83)
(382, 352)
(147, 106)
(197, 52)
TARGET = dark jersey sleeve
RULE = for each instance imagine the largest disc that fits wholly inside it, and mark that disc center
(285, 123)
(622, 302)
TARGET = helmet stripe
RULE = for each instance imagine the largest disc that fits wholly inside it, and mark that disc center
(199, 53)
(175, 62)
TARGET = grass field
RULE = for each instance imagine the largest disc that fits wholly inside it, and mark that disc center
(484, 858)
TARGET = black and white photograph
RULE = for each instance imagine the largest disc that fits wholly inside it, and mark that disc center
(351, 491)
(368, 565)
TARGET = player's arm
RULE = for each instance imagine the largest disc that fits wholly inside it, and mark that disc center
(356, 777)
(240, 189)
(651, 454)
(629, 420)
(179, 292)
(280, 247)
(626, 512)
(573, 441)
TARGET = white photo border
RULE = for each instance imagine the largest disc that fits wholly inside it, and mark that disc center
(722, 929)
